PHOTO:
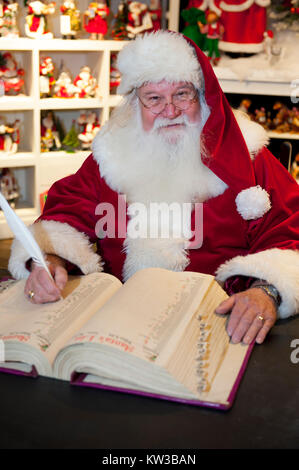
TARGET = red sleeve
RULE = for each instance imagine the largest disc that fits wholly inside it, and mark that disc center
(279, 228)
(73, 199)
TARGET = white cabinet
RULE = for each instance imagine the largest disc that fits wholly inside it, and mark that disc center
(36, 170)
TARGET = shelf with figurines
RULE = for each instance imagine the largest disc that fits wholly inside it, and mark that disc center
(16, 81)
(96, 21)
(253, 46)
(16, 139)
(63, 134)
(17, 186)
(278, 116)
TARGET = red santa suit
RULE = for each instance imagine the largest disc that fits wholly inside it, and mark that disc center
(250, 221)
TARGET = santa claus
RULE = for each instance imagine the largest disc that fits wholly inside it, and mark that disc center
(11, 74)
(139, 19)
(244, 22)
(90, 127)
(85, 83)
(46, 76)
(95, 19)
(8, 19)
(36, 22)
(174, 140)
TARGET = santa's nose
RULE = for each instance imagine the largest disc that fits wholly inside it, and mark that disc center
(170, 111)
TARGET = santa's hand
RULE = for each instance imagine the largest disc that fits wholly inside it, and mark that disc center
(253, 313)
(40, 288)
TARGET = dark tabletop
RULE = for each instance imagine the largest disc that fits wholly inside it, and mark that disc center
(47, 413)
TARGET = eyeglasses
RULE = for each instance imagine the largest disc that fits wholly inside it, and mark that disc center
(181, 100)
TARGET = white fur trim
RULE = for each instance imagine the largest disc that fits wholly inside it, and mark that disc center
(254, 134)
(253, 203)
(162, 253)
(241, 47)
(276, 266)
(243, 6)
(155, 57)
(60, 239)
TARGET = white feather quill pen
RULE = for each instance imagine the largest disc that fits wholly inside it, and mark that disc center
(23, 234)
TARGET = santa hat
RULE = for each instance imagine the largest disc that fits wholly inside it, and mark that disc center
(154, 57)
(165, 55)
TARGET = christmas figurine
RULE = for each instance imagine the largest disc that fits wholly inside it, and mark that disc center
(280, 122)
(9, 136)
(139, 19)
(9, 186)
(155, 11)
(262, 117)
(295, 168)
(85, 83)
(115, 76)
(245, 22)
(245, 105)
(46, 77)
(36, 20)
(95, 20)
(8, 19)
(119, 31)
(64, 88)
(294, 120)
(70, 23)
(214, 31)
(10, 74)
(49, 135)
(91, 126)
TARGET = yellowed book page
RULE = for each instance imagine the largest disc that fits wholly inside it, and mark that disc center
(206, 362)
(49, 326)
(148, 315)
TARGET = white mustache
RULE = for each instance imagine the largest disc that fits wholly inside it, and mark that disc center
(164, 122)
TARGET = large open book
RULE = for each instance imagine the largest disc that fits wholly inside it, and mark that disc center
(156, 335)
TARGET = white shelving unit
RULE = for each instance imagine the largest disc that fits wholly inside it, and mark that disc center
(36, 171)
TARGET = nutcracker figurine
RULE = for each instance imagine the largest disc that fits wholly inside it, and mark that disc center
(70, 23)
(36, 23)
(95, 20)
(8, 19)
(46, 77)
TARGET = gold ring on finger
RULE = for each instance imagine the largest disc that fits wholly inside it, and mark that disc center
(31, 294)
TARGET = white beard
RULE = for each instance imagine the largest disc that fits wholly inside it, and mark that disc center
(162, 165)
(159, 165)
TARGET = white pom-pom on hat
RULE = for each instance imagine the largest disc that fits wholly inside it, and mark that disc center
(253, 203)
(153, 57)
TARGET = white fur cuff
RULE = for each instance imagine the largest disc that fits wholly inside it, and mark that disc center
(276, 266)
(59, 239)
